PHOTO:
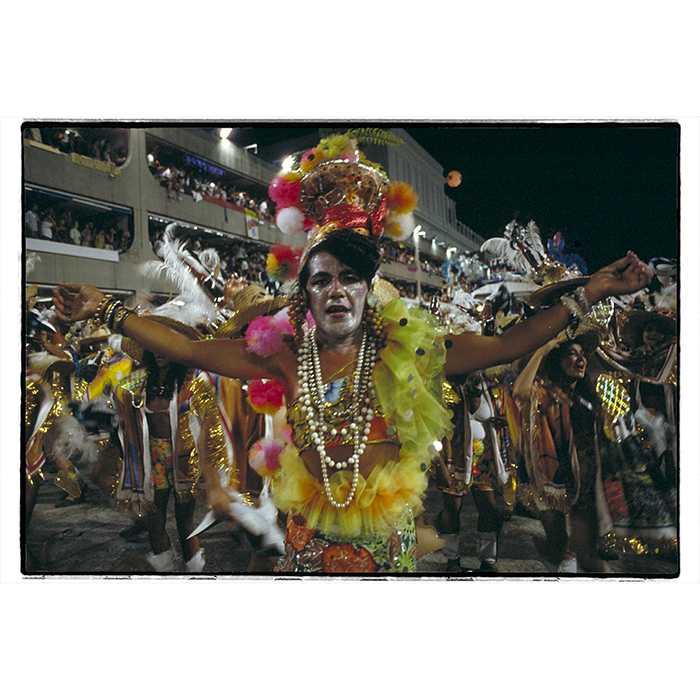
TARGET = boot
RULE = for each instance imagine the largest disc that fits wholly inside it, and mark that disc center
(487, 550)
(163, 562)
(196, 564)
(568, 565)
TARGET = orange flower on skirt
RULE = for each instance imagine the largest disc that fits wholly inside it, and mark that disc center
(298, 535)
(347, 559)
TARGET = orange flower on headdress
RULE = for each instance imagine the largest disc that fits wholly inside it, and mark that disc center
(401, 198)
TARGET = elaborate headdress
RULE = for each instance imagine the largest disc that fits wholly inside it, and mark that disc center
(334, 187)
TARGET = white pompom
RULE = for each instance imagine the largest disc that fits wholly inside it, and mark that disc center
(290, 221)
(400, 226)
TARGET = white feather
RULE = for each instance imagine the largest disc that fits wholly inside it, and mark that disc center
(69, 439)
(192, 305)
(667, 298)
(30, 262)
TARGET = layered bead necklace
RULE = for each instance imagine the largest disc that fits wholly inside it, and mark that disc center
(312, 399)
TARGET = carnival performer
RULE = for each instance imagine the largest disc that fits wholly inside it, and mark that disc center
(561, 443)
(49, 387)
(362, 381)
(480, 456)
(171, 435)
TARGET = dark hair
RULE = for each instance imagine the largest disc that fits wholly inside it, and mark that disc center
(361, 253)
(174, 374)
(551, 367)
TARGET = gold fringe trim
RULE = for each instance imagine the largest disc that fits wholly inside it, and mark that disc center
(204, 404)
(638, 546)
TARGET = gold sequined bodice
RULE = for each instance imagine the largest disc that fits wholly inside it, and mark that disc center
(338, 414)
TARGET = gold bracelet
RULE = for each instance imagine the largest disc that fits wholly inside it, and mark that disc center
(109, 313)
(99, 311)
(120, 316)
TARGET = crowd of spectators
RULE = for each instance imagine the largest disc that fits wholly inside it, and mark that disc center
(109, 145)
(244, 258)
(65, 226)
(391, 251)
(403, 254)
(181, 179)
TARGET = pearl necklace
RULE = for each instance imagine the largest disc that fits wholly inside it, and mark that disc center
(312, 398)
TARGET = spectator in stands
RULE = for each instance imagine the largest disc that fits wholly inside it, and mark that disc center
(126, 239)
(88, 235)
(100, 239)
(120, 156)
(47, 225)
(60, 233)
(75, 237)
(31, 221)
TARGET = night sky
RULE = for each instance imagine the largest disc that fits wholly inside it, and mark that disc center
(606, 187)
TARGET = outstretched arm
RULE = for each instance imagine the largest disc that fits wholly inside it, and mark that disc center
(469, 352)
(226, 357)
(523, 384)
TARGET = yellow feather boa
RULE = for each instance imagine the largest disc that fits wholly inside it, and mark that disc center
(407, 380)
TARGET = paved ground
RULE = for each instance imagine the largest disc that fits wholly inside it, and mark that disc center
(84, 539)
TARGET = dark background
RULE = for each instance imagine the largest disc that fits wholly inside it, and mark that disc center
(607, 187)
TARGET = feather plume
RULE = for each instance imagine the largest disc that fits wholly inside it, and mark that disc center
(378, 137)
(140, 301)
(504, 248)
(69, 440)
(260, 521)
(30, 262)
(667, 299)
(192, 305)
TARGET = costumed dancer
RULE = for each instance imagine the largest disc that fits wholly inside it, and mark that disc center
(642, 355)
(491, 464)
(362, 382)
(50, 385)
(561, 443)
(479, 456)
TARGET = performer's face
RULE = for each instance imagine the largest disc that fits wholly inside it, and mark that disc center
(336, 296)
(574, 362)
(161, 362)
(651, 336)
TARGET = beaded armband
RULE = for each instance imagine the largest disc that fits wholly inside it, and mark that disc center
(582, 299)
(572, 306)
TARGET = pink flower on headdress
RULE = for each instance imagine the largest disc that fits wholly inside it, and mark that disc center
(283, 192)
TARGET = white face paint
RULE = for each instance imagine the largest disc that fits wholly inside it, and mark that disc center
(336, 296)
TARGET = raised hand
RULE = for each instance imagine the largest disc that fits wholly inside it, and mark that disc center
(76, 302)
(624, 276)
